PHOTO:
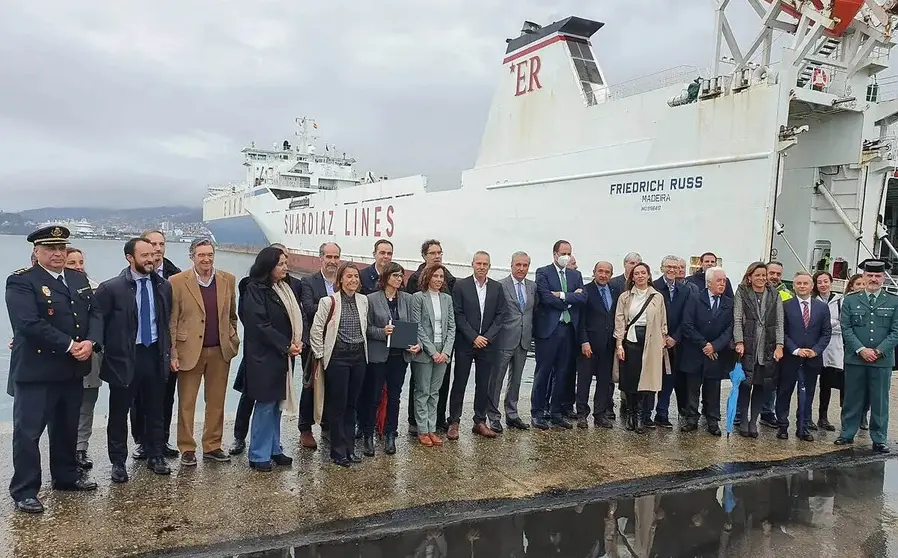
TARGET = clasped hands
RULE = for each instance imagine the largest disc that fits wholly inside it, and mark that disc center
(806, 353)
(82, 350)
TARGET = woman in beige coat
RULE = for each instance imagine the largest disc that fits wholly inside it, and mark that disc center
(640, 328)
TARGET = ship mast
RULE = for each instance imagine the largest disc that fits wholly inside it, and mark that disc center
(305, 143)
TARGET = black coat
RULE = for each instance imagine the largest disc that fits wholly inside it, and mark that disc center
(701, 326)
(169, 269)
(698, 279)
(468, 321)
(267, 335)
(46, 317)
(676, 308)
(596, 325)
(117, 298)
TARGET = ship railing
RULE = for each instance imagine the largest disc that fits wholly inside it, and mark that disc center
(678, 75)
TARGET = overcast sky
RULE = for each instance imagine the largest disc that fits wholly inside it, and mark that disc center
(123, 104)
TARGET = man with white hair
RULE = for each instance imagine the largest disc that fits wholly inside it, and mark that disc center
(706, 357)
(619, 282)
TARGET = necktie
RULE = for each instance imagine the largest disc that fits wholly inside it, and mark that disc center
(146, 337)
(61, 279)
(672, 289)
(716, 304)
(521, 301)
(805, 313)
(606, 297)
(565, 316)
(872, 300)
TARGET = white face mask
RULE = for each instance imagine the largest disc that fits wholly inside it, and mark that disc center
(564, 260)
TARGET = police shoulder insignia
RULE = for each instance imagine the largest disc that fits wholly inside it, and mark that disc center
(21, 271)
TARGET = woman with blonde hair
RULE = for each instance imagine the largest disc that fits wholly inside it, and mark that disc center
(759, 336)
(640, 328)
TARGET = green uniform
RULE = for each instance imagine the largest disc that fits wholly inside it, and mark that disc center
(873, 326)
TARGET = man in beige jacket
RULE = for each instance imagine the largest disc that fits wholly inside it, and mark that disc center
(204, 340)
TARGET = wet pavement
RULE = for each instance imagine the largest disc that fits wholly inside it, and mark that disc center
(222, 509)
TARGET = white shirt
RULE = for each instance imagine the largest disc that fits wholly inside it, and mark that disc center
(481, 297)
(328, 286)
(437, 316)
(801, 304)
(204, 283)
(637, 301)
(711, 299)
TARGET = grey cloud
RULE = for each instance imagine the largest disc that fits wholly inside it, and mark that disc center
(96, 93)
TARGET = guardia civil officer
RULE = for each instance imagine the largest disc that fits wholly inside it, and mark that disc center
(870, 331)
(56, 327)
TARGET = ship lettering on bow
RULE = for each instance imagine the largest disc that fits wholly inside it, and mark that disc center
(367, 221)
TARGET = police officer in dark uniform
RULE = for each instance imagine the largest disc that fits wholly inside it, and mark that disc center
(870, 331)
(56, 329)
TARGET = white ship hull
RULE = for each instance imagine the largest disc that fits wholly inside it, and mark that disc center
(617, 171)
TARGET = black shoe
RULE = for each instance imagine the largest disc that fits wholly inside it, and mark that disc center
(649, 423)
(824, 424)
(744, 433)
(139, 453)
(496, 427)
(517, 423)
(281, 460)
(169, 451)
(582, 423)
(604, 422)
(390, 444)
(782, 434)
(81, 485)
(714, 429)
(840, 441)
(689, 427)
(159, 466)
(342, 462)
(570, 415)
(769, 421)
(412, 431)
(238, 447)
(812, 426)
(663, 422)
(261, 466)
(805, 437)
(368, 449)
(30, 505)
(561, 422)
(540, 423)
(119, 474)
(83, 460)
(881, 448)
(354, 458)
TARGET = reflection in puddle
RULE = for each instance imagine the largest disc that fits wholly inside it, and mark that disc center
(823, 513)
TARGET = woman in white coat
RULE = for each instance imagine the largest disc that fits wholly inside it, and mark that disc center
(833, 374)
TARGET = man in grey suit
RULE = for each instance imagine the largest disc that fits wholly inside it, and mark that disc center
(514, 342)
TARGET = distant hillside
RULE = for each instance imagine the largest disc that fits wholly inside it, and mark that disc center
(174, 214)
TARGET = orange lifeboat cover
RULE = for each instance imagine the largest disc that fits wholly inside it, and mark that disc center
(844, 11)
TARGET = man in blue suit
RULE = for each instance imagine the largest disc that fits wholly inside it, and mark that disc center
(676, 297)
(560, 292)
(808, 330)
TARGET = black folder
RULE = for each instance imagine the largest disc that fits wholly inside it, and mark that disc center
(405, 335)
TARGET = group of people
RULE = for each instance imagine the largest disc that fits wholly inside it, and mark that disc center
(155, 329)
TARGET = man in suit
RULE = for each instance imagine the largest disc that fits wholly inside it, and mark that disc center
(314, 288)
(676, 299)
(479, 306)
(807, 333)
(513, 344)
(596, 335)
(561, 297)
(432, 253)
(383, 254)
(619, 282)
(57, 327)
(870, 330)
(165, 269)
(705, 356)
(136, 309)
(204, 340)
(708, 260)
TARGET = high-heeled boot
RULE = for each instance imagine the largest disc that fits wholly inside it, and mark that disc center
(640, 420)
(631, 413)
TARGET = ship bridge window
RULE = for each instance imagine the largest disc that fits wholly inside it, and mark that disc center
(588, 73)
(327, 184)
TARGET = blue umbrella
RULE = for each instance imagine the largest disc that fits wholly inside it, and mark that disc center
(736, 377)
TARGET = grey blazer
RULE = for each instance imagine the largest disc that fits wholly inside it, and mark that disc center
(517, 325)
(422, 312)
(378, 317)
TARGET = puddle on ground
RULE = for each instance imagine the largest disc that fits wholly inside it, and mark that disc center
(838, 512)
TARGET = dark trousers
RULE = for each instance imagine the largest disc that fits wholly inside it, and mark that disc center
(244, 413)
(343, 380)
(710, 397)
(668, 385)
(484, 361)
(569, 395)
(598, 366)
(39, 406)
(805, 378)
(442, 402)
(138, 411)
(150, 386)
(749, 404)
(391, 372)
(553, 356)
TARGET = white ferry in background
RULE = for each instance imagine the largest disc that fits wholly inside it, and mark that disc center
(753, 160)
(287, 172)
